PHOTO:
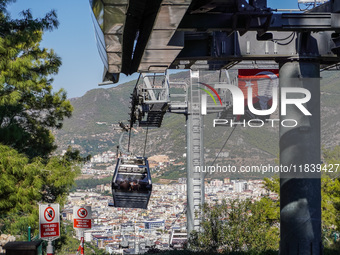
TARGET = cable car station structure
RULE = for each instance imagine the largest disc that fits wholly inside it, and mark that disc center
(151, 36)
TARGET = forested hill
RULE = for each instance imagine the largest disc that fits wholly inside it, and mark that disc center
(90, 128)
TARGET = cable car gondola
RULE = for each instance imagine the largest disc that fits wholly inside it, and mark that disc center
(131, 182)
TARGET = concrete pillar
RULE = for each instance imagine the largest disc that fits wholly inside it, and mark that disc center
(300, 189)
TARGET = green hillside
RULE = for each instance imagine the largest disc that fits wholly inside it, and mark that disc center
(99, 105)
(90, 128)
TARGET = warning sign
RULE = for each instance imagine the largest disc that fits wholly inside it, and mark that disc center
(49, 214)
(82, 217)
(82, 213)
(49, 230)
(49, 225)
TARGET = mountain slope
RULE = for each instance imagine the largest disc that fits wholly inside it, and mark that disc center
(90, 128)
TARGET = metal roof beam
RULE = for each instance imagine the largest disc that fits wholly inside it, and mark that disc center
(278, 22)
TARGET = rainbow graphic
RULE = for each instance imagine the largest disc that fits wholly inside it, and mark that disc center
(209, 93)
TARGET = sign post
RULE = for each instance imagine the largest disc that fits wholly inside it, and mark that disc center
(49, 224)
(82, 216)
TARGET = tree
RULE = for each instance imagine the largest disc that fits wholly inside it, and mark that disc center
(330, 193)
(23, 184)
(237, 225)
(29, 108)
(272, 184)
(20, 185)
(241, 225)
(58, 178)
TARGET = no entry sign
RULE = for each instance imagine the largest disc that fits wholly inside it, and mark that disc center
(82, 217)
(49, 214)
(49, 224)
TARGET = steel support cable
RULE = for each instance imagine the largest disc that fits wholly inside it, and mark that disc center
(146, 138)
(129, 139)
(225, 143)
(147, 127)
(134, 95)
(178, 215)
(132, 110)
(121, 144)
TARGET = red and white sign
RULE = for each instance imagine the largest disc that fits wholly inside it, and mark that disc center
(49, 221)
(261, 81)
(82, 217)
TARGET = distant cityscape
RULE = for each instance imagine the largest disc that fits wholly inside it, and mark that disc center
(125, 230)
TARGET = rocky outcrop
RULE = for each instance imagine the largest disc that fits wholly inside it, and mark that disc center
(5, 239)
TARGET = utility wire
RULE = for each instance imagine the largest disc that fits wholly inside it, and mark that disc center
(146, 138)
(129, 139)
(132, 110)
(283, 39)
(276, 40)
(134, 94)
(224, 144)
(178, 215)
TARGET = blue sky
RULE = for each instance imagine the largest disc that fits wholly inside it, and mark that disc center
(75, 43)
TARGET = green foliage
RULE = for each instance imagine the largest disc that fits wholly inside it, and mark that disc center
(28, 106)
(90, 183)
(241, 227)
(174, 172)
(29, 110)
(67, 244)
(238, 225)
(330, 200)
(330, 192)
(190, 252)
(330, 195)
(93, 107)
(331, 156)
(20, 186)
(272, 184)
(74, 156)
(92, 249)
(58, 179)
(23, 184)
(263, 139)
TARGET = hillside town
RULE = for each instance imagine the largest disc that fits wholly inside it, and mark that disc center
(126, 230)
